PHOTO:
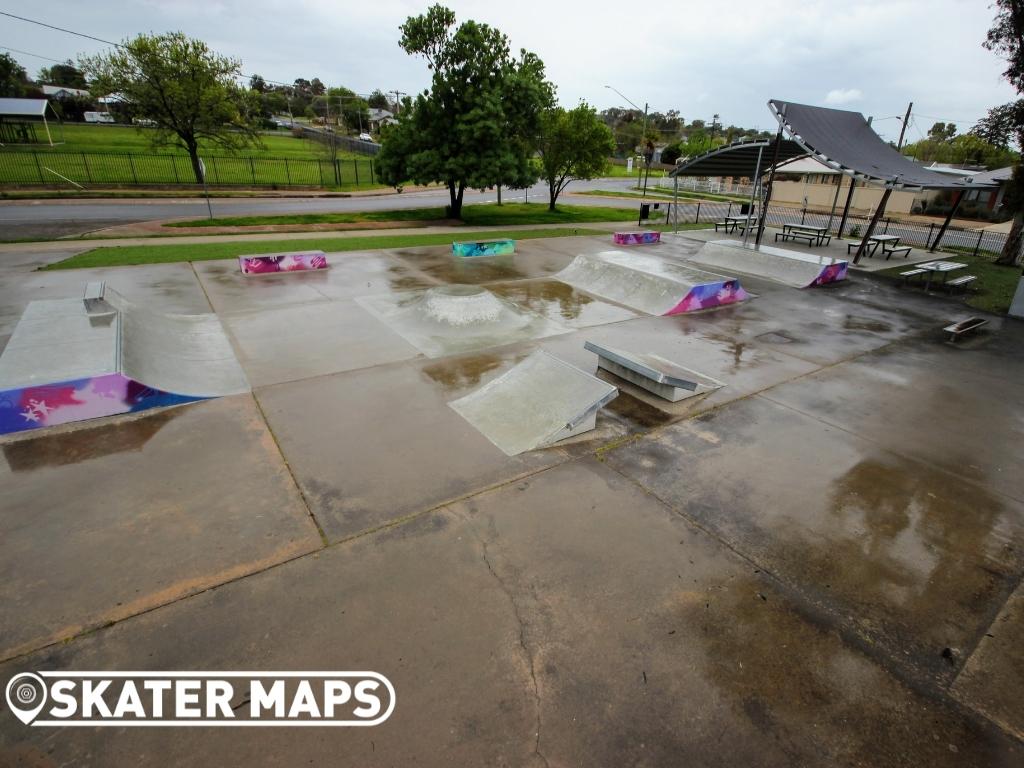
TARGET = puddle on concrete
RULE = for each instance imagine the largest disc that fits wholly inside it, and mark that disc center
(447, 268)
(562, 303)
(856, 323)
(61, 448)
(777, 337)
(462, 372)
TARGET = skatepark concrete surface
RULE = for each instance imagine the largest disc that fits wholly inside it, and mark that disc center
(817, 564)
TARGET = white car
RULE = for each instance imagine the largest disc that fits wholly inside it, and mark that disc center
(366, 137)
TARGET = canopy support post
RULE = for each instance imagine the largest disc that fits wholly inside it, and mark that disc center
(771, 180)
(874, 220)
(846, 208)
(753, 192)
(945, 224)
(835, 200)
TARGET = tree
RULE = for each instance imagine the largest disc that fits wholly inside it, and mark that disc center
(573, 144)
(1000, 126)
(66, 75)
(476, 125)
(186, 89)
(257, 83)
(942, 131)
(378, 100)
(13, 79)
(1006, 37)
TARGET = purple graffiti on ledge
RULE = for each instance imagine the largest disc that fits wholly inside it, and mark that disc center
(710, 295)
(45, 405)
(833, 273)
(282, 262)
(648, 237)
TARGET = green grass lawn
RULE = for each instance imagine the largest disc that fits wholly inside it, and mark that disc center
(120, 256)
(685, 195)
(619, 172)
(472, 215)
(994, 288)
(107, 139)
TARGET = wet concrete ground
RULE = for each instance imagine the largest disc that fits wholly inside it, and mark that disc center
(818, 564)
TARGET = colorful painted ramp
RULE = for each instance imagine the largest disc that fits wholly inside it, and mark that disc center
(793, 268)
(650, 284)
(538, 402)
(68, 362)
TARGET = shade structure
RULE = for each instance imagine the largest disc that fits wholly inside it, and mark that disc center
(845, 141)
(22, 107)
(740, 159)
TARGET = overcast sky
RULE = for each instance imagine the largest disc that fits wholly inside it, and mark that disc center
(700, 58)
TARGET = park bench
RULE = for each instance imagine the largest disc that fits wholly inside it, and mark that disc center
(956, 330)
(960, 282)
(728, 226)
(889, 251)
(912, 273)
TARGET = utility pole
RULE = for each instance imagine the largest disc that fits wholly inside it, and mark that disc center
(903, 130)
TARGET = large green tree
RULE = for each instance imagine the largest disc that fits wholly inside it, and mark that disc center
(477, 124)
(187, 90)
(13, 80)
(574, 144)
(66, 74)
(1006, 37)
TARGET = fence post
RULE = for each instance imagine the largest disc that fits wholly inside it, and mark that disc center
(320, 167)
(39, 168)
(131, 164)
(372, 180)
(886, 230)
(85, 162)
(174, 167)
(355, 164)
(252, 170)
(216, 175)
(697, 220)
(287, 172)
(928, 240)
(728, 212)
(977, 245)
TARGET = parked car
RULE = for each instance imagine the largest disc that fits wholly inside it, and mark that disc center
(366, 137)
(98, 117)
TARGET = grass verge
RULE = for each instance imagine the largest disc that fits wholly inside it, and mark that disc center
(994, 288)
(472, 215)
(122, 256)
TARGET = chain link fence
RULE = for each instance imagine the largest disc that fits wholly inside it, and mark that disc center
(915, 234)
(88, 168)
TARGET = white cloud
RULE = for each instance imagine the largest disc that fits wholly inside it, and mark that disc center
(843, 96)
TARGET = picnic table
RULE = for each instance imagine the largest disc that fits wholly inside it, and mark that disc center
(939, 267)
(890, 245)
(813, 235)
(733, 222)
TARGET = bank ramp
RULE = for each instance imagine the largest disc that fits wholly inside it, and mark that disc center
(537, 403)
(793, 268)
(650, 284)
(76, 359)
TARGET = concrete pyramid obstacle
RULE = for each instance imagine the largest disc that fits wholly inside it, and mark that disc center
(649, 283)
(538, 402)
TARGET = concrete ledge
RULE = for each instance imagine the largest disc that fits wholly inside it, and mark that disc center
(269, 263)
(501, 247)
(655, 374)
(645, 237)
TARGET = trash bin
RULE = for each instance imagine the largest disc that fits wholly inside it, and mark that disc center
(645, 210)
(745, 209)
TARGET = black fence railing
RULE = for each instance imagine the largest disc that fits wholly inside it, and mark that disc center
(911, 233)
(66, 169)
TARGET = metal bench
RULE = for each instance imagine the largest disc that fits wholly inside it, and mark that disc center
(728, 226)
(960, 282)
(94, 299)
(912, 273)
(655, 374)
(904, 249)
(956, 330)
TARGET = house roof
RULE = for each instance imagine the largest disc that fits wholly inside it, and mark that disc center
(54, 90)
(23, 107)
(997, 176)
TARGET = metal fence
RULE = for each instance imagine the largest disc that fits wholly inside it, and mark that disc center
(87, 168)
(910, 233)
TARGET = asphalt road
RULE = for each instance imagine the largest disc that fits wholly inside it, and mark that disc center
(58, 218)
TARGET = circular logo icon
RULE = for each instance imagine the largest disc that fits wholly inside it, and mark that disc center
(26, 696)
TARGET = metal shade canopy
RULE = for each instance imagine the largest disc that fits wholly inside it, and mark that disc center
(844, 140)
(741, 159)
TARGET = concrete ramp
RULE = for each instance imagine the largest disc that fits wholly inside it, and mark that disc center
(185, 354)
(538, 402)
(650, 284)
(73, 359)
(793, 268)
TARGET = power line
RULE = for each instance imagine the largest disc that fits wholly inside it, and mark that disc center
(26, 53)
